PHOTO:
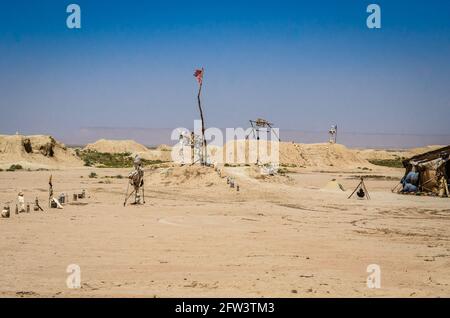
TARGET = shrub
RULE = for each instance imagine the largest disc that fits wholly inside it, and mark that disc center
(393, 163)
(92, 175)
(111, 160)
(14, 168)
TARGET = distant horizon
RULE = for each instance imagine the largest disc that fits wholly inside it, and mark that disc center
(153, 137)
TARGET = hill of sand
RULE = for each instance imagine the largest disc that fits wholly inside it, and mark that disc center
(300, 155)
(36, 152)
(187, 175)
(320, 156)
(375, 154)
(130, 146)
(421, 150)
(116, 146)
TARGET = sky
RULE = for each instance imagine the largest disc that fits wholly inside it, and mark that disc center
(304, 65)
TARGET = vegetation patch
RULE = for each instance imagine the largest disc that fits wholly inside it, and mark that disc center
(288, 165)
(374, 177)
(114, 177)
(392, 163)
(110, 160)
(14, 168)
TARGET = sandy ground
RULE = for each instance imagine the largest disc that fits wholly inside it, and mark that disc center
(197, 237)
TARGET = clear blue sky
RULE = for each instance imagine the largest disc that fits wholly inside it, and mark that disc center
(302, 64)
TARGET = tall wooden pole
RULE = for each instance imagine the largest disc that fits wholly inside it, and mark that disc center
(50, 191)
(202, 119)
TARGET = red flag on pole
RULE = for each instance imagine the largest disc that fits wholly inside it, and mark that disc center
(199, 75)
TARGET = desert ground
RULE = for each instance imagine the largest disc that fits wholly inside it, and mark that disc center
(289, 235)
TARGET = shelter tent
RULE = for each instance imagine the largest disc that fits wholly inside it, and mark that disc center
(428, 173)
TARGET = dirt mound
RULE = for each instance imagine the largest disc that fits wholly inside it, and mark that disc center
(164, 148)
(260, 174)
(116, 146)
(299, 155)
(161, 153)
(375, 154)
(421, 150)
(36, 152)
(192, 175)
(320, 156)
(333, 185)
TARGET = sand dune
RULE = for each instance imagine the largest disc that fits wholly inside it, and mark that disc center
(380, 154)
(130, 146)
(116, 146)
(45, 152)
(321, 156)
(36, 152)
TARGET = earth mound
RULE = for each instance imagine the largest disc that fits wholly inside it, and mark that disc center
(116, 146)
(161, 153)
(36, 151)
(297, 155)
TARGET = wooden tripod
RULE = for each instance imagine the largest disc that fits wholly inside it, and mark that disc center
(362, 189)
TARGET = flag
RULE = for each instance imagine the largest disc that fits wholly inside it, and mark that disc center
(199, 75)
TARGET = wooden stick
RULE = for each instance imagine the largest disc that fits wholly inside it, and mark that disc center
(365, 189)
(126, 199)
(357, 187)
(202, 119)
(428, 181)
(50, 191)
(394, 188)
(446, 187)
(126, 193)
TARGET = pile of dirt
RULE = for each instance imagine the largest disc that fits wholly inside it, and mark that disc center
(35, 152)
(164, 148)
(320, 156)
(379, 154)
(333, 185)
(299, 155)
(161, 153)
(374, 154)
(421, 150)
(259, 173)
(116, 146)
(192, 175)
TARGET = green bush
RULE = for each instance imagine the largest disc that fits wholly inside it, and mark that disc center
(393, 163)
(14, 168)
(111, 160)
(92, 175)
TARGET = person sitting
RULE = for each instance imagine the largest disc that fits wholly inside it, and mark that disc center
(410, 181)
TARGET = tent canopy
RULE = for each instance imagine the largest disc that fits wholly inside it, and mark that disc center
(433, 170)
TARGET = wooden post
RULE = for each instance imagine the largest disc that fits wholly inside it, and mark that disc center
(50, 191)
(202, 119)
(192, 147)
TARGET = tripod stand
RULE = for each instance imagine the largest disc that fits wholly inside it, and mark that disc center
(361, 191)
